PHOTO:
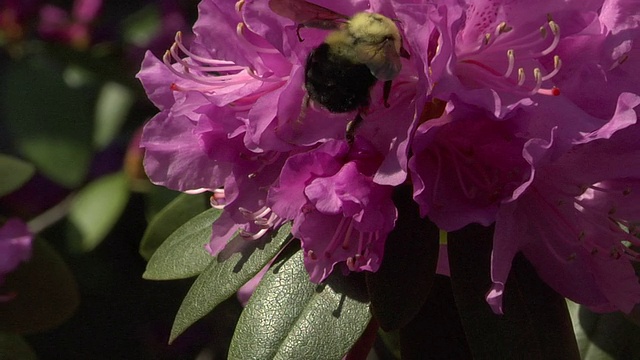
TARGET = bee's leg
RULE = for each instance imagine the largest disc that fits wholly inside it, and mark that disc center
(352, 126)
(386, 91)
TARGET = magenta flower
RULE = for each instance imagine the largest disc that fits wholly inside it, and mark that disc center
(73, 28)
(329, 193)
(15, 248)
(465, 164)
(576, 223)
(232, 117)
(498, 55)
(600, 62)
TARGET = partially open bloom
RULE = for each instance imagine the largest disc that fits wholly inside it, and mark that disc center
(15, 248)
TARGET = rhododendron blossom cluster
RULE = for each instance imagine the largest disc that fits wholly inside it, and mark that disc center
(513, 113)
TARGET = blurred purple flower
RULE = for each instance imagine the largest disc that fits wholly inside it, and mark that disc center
(72, 28)
(15, 248)
(14, 18)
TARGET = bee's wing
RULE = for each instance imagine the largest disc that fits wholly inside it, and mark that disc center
(383, 62)
(308, 14)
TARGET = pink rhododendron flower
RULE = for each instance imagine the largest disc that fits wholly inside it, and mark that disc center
(15, 248)
(465, 163)
(493, 119)
(469, 167)
(577, 223)
(73, 28)
(329, 193)
(232, 117)
(600, 61)
(495, 54)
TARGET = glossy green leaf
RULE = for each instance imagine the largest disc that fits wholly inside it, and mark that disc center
(49, 119)
(157, 198)
(183, 254)
(46, 293)
(14, 347)
(112, 108)
(401, 285)
(436, 330)
(169, 219)
(13, 173)
(604, 336)
(238, 263)
(288, 317)
(97, 208)
(535, 323)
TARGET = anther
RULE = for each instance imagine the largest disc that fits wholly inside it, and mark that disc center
(503, 28)
(240, 31)
(487, 38)
(249, 236)
(512, 61)
(521, 76)
(238, 7)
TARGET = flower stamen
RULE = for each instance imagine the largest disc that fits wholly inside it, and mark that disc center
(240, 31)
(214, 74)
(481, 64)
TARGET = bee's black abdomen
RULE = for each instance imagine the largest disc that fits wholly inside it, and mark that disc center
(337, 83)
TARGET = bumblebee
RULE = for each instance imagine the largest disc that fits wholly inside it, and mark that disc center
(355, 55)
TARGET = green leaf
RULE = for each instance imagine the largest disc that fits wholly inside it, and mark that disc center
(112, 108)
(604, 336)
(13, 173)
(96, 209)
(14, 347)
(169, 219)
(401, 285)
(535, 323)
(238, 263)
(183, 254)
(288, 317)
(157, 198)
(51, 123)
(436, 330)
(142, 26)
(47, 293)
